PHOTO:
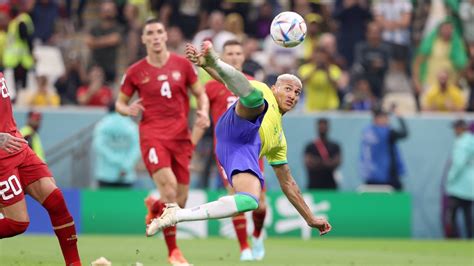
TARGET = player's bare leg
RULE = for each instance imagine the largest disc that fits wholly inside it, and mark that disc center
(170, 191)
(15, 219)
(46, 192)
(248, 189)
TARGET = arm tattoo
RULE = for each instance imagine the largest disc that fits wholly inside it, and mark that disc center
(3, 139)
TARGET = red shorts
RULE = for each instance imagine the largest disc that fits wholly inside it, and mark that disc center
(176, 154)
(223, 175)
(17, 172)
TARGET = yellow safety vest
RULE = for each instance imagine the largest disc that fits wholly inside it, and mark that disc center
(36, 145)
(16, 50)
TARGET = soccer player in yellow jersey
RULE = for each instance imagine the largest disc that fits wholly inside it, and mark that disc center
(251, 128)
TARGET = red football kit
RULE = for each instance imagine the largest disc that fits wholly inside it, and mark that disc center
(220, 99)
(164, 134)
(22, 167)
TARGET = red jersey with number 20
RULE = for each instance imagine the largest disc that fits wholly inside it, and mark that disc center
(164, 91)
(7, 122)
(220, 98)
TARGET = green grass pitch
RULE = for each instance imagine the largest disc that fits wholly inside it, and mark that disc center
(126, 250)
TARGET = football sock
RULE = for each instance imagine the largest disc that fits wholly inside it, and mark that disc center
(63, 226)
(170, 232)
(170, 238)
(226, 206)
(157, 207)
(9, 227)
(258, 217)
(253, 100)
(240, 225)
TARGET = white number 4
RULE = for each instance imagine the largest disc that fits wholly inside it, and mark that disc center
(166, 90)
(10, 188)
(152, 157)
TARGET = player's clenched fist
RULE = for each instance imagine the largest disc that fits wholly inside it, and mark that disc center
(194, 55)
(10, 143)
(135, 108)
(321, 224)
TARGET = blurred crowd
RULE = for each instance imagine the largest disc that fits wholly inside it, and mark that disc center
(414, 54)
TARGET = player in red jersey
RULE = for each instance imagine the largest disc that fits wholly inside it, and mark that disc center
(220, 99)
(162, 80)
(21, 171)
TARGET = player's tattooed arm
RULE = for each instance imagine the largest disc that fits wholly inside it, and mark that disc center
(10, 143)
(293, 193)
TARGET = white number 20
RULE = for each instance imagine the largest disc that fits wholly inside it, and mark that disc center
(10, 188)
(152, 156)
(166, 90)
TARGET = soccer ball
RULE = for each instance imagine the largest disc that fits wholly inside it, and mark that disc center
(288, 29)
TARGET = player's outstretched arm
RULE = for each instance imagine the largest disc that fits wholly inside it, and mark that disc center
(202, 113)
(122, 107)
(10, 143)
(292, 192)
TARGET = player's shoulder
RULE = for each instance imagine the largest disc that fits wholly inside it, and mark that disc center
(213, 84)
(137, 66)
(260, 86)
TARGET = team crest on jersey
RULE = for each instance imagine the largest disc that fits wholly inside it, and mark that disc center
(176, 75)
(145, 79)
(162, 77)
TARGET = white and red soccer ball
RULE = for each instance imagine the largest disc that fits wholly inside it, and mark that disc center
(288, 29)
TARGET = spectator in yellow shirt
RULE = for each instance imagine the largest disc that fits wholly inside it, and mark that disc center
(444, 96)
(44, 96)
(320, 79)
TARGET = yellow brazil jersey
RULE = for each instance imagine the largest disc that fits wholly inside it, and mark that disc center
(437, 100)
(271, 130)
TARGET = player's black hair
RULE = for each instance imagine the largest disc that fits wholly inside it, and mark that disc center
(111, 107)
(322, 120)
(231, 42)
(32, 113)
(151, 20)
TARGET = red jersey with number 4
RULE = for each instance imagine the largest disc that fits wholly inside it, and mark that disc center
(220, 98)
(7, 122)
(164, 91)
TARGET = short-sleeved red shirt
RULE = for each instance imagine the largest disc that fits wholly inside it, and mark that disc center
(164, 91)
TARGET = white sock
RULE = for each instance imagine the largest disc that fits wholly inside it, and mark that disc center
(221, 208)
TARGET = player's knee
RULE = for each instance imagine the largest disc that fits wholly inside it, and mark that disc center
(245, 202)
(12, 228)
(253, 100)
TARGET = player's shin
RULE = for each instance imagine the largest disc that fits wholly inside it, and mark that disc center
(63, 225)
(240, 225)
(258, 217)
(226, 206)
(169, 233)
